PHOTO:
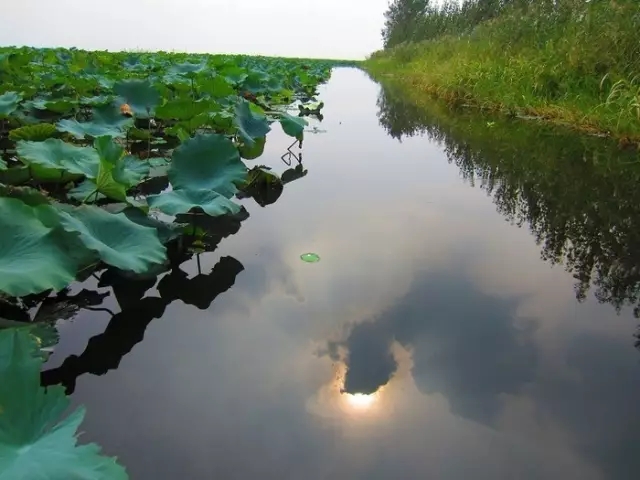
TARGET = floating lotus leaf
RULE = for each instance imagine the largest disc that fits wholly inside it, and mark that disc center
(253, 152)
(117, 240)
(56, 106)
(293, 126)
(263, 185)
(9, 103)
(217, 86)
(251, 125)
(32, 444)
(96, 100)
(106, 120)
(140, 95)
(183, 201)
(188, 69)
(37, 133)
(184, 109)
(58, 155)
(130, 171)
(234, 74)
(33, 257)
(85, 191)
(116, 173)
(166, 231)
(207, 162)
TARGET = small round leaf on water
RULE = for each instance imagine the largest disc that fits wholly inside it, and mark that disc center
(310, 257)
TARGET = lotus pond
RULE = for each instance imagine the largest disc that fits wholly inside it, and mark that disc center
(237, 267)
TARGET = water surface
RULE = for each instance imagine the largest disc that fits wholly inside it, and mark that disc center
(471, 315)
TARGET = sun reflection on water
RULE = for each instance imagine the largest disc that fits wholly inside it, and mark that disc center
(360, 401)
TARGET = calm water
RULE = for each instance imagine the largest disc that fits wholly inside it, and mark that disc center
(445, 305)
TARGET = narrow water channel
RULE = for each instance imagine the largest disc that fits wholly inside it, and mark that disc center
(471, 315)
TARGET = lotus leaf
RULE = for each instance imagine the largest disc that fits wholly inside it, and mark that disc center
(293, 126)
(130, 171)
(207, 162)
(251, 153)
(33, 257)
(58, 155)
(86, 191)
(32, 445)
(117, 240)
(9, 103)
(53, 105)
(140, 95)
(250, 125)
(106, 120)
(183, 201)
(38, 132)
(187, 69)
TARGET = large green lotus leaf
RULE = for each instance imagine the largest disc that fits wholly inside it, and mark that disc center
(166, 232)
(183, 201)
(108, 149)
(130, 171)
(251, 125)
(140, 95)
(106, 121)
(293, 126)
(32, 256)
(45, 334)
(86, 192)
(56, 106)
(9, 103)
(184, 109)
(96, 100)
(32, 444)
(36, 133)
(253, 152)
(112, 177)
(216, 86)
(116, 239)
(256, 82)
(187, 69)
(234, 74)
(51, 175)
(56, 154)
(263, 185)
(207, 162)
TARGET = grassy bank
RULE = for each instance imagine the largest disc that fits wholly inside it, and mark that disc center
(569, 62)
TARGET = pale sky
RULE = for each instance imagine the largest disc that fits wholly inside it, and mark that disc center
(347, 29)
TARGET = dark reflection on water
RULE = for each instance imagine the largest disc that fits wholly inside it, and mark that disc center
(578, 195)
(431, 340)
(470, 351)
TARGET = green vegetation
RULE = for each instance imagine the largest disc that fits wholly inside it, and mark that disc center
(82, 133)
(125, 164)
(567, 61)
(577, 194)
(34, 442)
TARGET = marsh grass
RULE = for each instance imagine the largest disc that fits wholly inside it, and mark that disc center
(567, 61)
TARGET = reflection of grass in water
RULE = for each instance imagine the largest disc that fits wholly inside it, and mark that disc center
(578, 195)
(567, 61)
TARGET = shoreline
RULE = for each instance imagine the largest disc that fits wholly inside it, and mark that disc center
(416, 83)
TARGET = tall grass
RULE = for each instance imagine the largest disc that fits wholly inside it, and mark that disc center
(570, 61)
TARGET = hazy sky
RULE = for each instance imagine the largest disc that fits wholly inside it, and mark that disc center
(311, 28)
